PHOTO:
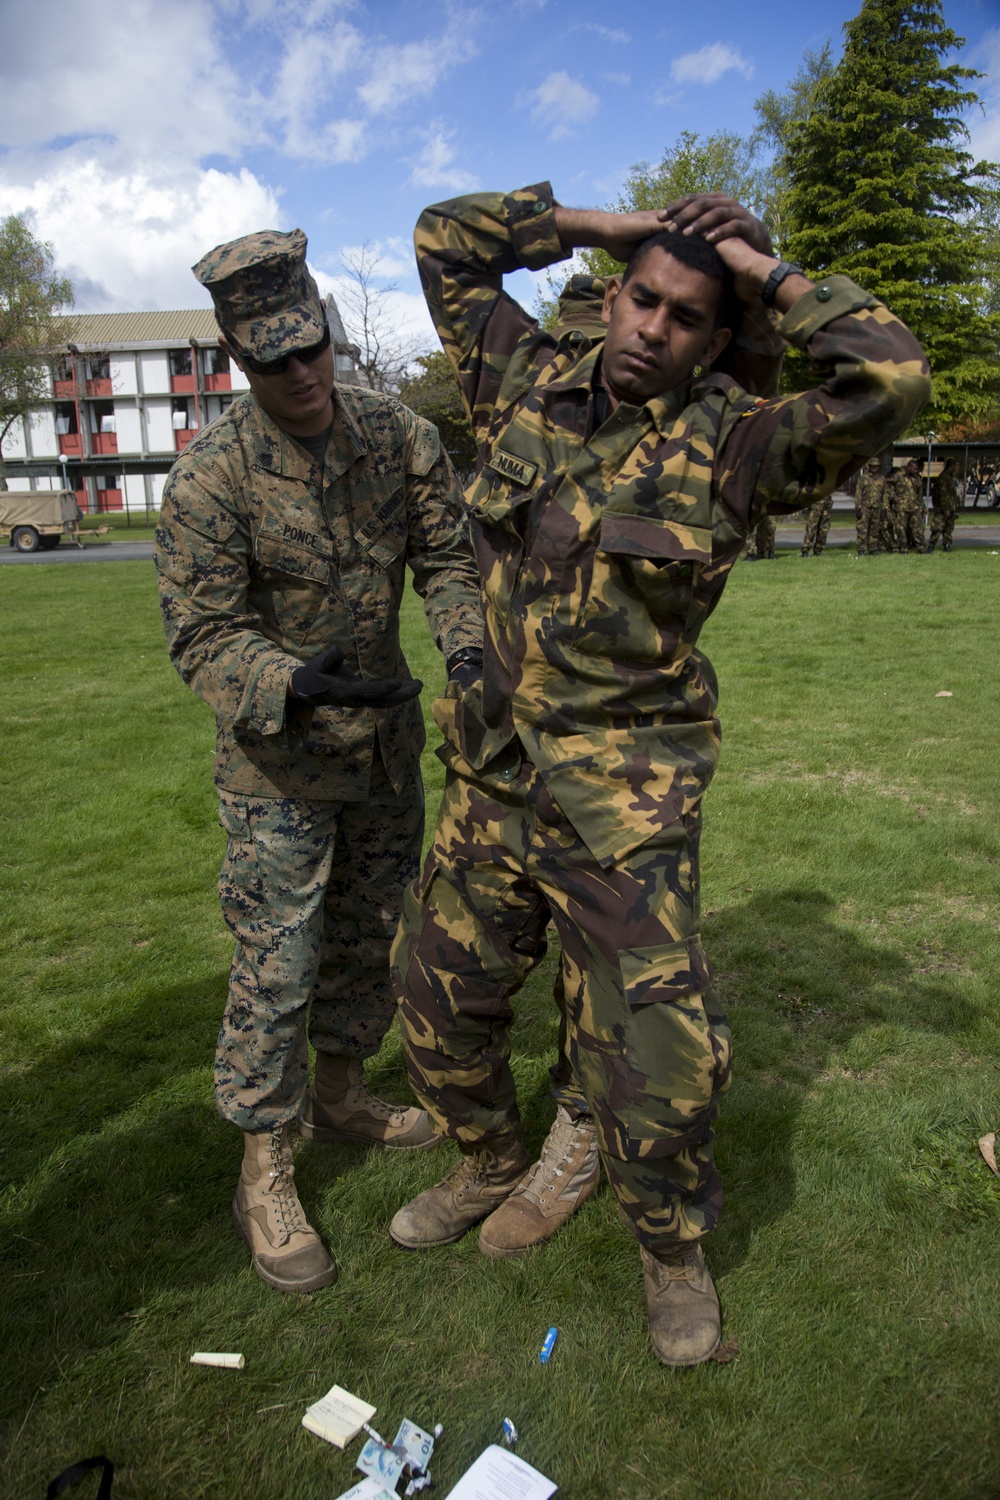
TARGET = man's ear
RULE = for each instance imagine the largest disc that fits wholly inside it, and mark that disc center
(611, 291)
(227, 346)
(720, 338)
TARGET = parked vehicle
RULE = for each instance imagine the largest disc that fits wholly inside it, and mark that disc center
(982, 486)
(36, 519)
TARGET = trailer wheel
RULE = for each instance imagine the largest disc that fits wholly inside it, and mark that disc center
(49, 543)
(25, 539)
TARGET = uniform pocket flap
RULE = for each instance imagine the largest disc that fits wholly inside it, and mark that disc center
(286, 556)
(667, 972)
(654, 537)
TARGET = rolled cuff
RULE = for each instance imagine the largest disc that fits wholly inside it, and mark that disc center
(531, 222)
(833, 297)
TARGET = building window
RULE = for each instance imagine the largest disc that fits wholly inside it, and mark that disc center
(65, 418)
(216, 361)
(180, 361)
(62, 369)
(182, 415)
(98, 367)
(102, 416)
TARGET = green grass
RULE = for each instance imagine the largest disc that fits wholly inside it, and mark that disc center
(851, 867)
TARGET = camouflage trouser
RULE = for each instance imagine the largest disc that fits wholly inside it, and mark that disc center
(893, 531)
(760, 541)
(312, 892)
(644, 1037)
(817, 525)
(870, 526)
(913, 520)
(942, 527)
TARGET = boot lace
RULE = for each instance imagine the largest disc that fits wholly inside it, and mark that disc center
(281, 1175)
(547, 1174)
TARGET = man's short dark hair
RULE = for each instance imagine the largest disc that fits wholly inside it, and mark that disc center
(694, 251)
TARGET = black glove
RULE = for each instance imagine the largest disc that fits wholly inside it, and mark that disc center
(465, 667)
(324, 682)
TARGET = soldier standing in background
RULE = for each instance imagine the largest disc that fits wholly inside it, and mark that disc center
(869, 506)
(616, 491)
(906, 491)
(760, 542)
(945, 504)
(817, 527)
(286, 530)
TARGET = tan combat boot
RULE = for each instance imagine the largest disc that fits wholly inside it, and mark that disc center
(482, 1179)
(268, 1215)
(565, 1175)
(683, 1307)
(338, 1107)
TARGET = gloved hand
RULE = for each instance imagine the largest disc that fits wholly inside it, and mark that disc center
(324, 682)
(465, 667)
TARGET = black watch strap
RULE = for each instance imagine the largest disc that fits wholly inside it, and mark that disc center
(472, 654)
(782, 269)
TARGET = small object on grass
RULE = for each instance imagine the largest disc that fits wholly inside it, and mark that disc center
(415, 1443)
(438, 1429)
(377, 1436)
(988, 1150)
(944, 694)
(726, 1353)
(220, 1361)
(76, 1471)
(368, 1489)
(382, 1463)
(545, 1353)
(510, 1433)
(338, 1416)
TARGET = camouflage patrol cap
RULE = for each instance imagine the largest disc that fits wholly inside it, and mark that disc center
(263, 294)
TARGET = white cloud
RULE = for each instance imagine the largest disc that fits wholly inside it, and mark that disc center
(401, 73)
(623, 80)
(386, 258)
(606, 33)
(708, 64)
(435, 166)
(127, 238)
(561, 103)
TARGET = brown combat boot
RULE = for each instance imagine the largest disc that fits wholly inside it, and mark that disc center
(482, 1179)
(287, 1253)
(565, 1175)
(683, 1307)
(338, 1107)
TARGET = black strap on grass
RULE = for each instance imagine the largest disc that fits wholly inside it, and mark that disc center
(76, 1471)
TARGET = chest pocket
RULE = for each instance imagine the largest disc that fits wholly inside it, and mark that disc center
(382, 537)
(290, 585)
(656, 559)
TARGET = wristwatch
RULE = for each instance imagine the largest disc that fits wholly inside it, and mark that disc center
(469, 654)
(782, 269)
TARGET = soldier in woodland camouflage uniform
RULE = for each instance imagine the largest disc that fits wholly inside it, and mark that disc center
(616, 490)
(905, 490)
(285, 533)
(760, 541)
(869, 504)
(817, 527)
(945, 504)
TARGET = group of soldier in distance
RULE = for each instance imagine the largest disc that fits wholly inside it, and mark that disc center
(889, 512)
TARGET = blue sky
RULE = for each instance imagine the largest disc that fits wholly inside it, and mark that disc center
(137, 135)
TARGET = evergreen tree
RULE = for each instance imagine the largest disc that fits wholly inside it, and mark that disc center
(882, 189)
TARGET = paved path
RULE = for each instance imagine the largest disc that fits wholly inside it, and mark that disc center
(92, 552)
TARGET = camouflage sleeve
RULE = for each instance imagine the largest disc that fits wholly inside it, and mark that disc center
(202, 554)
(464, 247)
(789, 452)
(439, 548)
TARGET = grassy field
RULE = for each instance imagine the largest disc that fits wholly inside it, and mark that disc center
(852, 863)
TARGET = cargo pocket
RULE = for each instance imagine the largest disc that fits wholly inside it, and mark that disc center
(290, 586)
(241, 885)
(677, 1043)
(659, 560)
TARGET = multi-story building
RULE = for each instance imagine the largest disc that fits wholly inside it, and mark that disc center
(129, 394)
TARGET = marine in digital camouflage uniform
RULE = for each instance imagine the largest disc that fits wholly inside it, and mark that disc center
(946, 502)
(817, 527)
(869, 505)
(286, 532)
(615, 492)
(905, 488)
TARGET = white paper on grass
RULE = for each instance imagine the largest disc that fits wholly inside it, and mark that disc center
(368, 1489)
(338, 1416)
(500, 1475)
(219, 1361)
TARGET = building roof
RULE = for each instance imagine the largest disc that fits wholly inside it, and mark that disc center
(107, 330)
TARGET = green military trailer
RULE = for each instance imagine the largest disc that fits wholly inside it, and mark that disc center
(36, 519)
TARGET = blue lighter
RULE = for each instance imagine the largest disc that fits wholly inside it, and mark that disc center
(547, 1347)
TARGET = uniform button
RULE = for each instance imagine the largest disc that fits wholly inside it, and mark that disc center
(509, 772)
(823, 294)
(539, 207)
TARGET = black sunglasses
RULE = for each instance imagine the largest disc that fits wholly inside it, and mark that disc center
(279, 366)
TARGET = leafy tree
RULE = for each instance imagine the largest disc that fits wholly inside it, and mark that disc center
(431, 391)
(31, 332)
(882, 189)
